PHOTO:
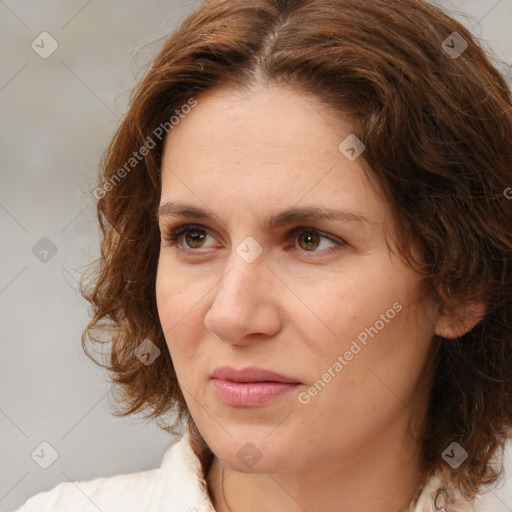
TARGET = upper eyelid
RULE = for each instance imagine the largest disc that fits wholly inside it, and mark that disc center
(184, 227)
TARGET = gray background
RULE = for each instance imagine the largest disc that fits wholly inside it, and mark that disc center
(58, 115)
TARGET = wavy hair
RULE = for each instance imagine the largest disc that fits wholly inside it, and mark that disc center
(437, 127)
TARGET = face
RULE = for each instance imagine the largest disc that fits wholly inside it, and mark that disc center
(319, 300)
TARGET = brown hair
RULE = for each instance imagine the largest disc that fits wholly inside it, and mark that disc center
(438, 135)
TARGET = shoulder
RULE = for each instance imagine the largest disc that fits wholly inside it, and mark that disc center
(127, 492)
(175, 481)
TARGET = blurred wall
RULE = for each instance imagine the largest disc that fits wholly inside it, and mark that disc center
(59, 111)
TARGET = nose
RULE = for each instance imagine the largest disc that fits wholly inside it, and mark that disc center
(245, 304)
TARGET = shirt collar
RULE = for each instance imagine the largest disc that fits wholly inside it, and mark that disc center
(181, 482)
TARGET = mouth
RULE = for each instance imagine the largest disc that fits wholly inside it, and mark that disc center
(250, 387)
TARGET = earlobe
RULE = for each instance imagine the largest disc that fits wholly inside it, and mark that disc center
(455, 323)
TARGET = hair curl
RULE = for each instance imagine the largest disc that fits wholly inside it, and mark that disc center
(438, 136)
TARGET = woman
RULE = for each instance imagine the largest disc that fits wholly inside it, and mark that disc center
(307, 256)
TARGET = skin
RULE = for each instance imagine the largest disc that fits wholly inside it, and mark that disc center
(294, 310)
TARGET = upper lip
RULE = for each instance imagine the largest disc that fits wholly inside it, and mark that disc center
(251, 374)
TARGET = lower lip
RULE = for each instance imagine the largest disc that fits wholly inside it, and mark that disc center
(250, 394)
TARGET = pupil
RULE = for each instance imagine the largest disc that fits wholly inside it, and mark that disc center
(310, 238)
(193, 237)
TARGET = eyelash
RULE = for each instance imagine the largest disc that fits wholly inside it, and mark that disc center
(172, 236)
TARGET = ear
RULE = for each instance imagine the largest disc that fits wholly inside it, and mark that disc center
(454, 323)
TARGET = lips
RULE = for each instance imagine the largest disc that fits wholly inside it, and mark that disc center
(250, 387)
(251, 375)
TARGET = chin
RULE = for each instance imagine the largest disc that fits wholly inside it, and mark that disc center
(267, 464)
(257, 454)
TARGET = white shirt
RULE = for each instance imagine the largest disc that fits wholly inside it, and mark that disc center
(177, 486)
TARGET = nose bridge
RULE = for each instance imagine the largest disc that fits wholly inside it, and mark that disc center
(242, 302)
(246, 266)
(240, 283)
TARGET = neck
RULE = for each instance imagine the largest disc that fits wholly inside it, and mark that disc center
(383, 476)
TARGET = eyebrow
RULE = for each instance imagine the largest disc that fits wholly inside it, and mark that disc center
(289, 216)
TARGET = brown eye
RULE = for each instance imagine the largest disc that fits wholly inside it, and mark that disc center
(187, 237)
(309, 240)
(194, 239)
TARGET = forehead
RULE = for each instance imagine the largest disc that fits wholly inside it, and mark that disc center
(272, 120)
(265, 147)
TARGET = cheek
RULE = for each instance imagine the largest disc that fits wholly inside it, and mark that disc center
(383, 362)
(331, 314)
(176, 294)
(178, 308)
(165, 300)
(370, 320)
